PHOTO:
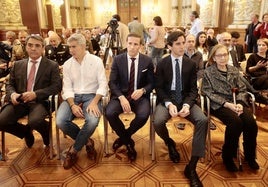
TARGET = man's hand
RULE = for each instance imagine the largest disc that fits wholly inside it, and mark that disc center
(28, 96)
(14, 98)
(3, 66)
(93, 108)
(77, 111)
(125, 104)
(184, 112)
(173, 111)
(137, 94)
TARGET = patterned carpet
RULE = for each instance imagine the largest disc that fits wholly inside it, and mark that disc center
(32, 168)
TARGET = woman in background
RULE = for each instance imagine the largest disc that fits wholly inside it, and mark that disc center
(157, 40)
(257, 65)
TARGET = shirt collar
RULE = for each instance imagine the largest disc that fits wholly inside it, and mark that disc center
(136, 57)
(38, 60)
(173, 58)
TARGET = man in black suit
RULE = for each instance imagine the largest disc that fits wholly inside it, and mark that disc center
(250, 38)
(31, 82)
(176, 89)
(131, 81)
(238, 48)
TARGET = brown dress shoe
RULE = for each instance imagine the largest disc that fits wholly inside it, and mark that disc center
(90, 149)
(70, 159)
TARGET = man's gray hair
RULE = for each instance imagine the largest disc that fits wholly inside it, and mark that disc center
(79, 38)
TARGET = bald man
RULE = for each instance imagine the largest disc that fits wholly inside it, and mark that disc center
(57, 51)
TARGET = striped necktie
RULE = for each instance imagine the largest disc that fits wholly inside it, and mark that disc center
(131, 78)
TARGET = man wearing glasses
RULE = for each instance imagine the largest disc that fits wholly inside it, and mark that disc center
(31, 82)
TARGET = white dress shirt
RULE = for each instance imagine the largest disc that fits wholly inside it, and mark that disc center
(197, 26)
(85, 78)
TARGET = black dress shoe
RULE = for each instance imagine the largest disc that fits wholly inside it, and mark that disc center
(193, 177)
(117, 144)
(131, 152)
(261, 99)
(29, 138)
(253, 164)
(230, 165)
(173, 153)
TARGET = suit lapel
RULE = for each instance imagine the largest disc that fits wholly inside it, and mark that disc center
(124, 67)
(140, 68)
(24, 69)
(40, 70)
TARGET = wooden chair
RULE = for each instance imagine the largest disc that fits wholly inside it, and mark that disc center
(52, 101)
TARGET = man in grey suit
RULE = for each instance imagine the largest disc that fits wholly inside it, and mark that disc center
(130, 91)
(136, 27)
(176, 89)
(31, 82)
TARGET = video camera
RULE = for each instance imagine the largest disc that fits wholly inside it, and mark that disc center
(113, 23)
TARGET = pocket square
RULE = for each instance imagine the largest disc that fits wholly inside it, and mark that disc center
(144, 70)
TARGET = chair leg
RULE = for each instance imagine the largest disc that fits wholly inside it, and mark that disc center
(239, 157)
(50, 137)
(105, 123)
(58, 142)
(3, 146)
(152, 141)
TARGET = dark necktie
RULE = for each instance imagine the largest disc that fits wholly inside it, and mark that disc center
(178, 97)
(131, 78)
(30, 80)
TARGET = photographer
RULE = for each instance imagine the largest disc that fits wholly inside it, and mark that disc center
(122, 29)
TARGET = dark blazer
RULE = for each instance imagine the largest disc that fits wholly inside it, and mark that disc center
(240, 53)
(47, 81)
(59, 54)
(218, 87)
(119, 75)
(234, 58)
(251, 38)
(164, 75)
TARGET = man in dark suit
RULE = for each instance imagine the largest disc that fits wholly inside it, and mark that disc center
(131, 81)
(176, 89)
(236, 47)
(31, 82)
(56, 50)
(250, 38)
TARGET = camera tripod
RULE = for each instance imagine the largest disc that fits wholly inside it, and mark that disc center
(114, 44)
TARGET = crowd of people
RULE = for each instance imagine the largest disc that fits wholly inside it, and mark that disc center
(70, 64)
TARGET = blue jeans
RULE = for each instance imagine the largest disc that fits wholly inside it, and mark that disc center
(65, 116)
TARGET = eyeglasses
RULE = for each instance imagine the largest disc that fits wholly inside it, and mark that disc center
(226, 40)
(30, 45)
(222, 55)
